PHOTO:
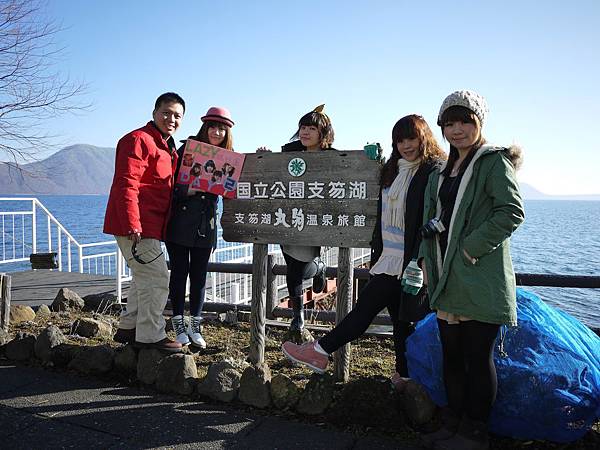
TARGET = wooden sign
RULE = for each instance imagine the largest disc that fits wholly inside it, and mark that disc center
(325, 198)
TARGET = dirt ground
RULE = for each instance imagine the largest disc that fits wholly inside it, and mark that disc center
(372, 363)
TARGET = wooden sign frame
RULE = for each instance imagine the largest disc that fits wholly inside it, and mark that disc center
(326, 198)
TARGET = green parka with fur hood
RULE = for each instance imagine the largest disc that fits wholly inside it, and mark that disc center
(487, 211)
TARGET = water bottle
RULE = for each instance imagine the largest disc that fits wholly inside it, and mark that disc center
(412, 278)
(372, 151)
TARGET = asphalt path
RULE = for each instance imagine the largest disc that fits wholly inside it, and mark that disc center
(42, 409)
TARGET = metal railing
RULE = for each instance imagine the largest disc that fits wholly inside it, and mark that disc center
(29, 227)
(236, 287)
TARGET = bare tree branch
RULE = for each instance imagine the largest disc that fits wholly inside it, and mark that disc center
(32, 90)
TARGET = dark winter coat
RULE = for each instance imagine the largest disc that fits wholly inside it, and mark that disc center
(193, 220)
(412, 307)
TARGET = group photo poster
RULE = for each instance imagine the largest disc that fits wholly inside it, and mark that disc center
(211, 169)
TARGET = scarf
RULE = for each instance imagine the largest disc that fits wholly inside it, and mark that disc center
(394, 214)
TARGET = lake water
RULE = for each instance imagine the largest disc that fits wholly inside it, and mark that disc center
(558, 237)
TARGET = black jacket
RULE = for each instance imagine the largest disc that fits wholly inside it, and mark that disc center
(193, 218)
(412, 307)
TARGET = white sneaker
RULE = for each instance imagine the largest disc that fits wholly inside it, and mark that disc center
(194, 332)
(179, 328)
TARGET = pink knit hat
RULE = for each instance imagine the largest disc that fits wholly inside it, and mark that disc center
(218, 114)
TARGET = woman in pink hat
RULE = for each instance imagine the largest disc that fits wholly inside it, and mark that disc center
(192, 233)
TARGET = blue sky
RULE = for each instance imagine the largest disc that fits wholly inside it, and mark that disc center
(269, 62)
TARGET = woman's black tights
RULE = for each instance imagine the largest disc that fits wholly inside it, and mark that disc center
(192, 261)
(469, 370)
(382, 291)
(297, 272)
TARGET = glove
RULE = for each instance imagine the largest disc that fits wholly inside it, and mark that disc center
(412, 278)
(373, 151)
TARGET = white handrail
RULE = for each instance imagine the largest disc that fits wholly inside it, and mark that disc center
(217, 285)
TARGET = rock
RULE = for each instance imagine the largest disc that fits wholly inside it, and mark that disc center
(100, 303)
(63, 354)
(284, 392)
(416, 403)
(67, 300)
(126, 359)
(177, 374)
(4, 337)
(317, 395)
(220, 317)
(255, 386)
(147, 365)
(21, 348)
(48, 339)
(243, 316)
(43, 313)
(20, 314)
(367, 401)
(298, 336)
(221, 383)
(230, 317)
(97, 359)
(92, 328)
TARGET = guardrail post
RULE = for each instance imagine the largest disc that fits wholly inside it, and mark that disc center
(80, 254)
(271, 287)
(341, 359)
(59, 248)
(68, 255)
(235, 293)
(4, 301)
(33, 228)
(257, 314)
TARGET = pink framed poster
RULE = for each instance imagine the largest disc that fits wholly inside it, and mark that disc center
(211, 169)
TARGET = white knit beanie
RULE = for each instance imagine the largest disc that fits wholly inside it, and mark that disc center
(468, 99)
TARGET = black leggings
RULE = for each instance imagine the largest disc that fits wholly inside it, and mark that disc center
(192, 261)
(469, 370)
(298, 271)
(380, 292)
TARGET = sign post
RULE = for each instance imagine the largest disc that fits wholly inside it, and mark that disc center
(325, 198)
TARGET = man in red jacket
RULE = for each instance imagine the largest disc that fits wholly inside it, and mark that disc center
(137, 213)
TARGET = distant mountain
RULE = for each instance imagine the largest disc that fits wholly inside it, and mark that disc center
(78, 169)
(531, 193)
(87, 169)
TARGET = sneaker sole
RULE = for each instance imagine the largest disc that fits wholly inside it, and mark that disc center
(193, 344)
(304, 363)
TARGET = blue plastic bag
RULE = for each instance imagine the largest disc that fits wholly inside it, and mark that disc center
(548, 378)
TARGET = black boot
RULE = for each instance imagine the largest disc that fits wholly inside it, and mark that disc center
(298, 317)
(319, 280)
(471, 435)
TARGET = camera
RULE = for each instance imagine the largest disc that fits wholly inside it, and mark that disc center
(431, 228)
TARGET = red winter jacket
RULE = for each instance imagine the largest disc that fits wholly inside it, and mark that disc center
(140, 195)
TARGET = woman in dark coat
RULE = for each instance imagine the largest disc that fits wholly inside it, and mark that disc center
(395, 243)
(192, 234)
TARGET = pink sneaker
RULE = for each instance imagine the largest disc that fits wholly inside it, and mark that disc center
(306, 354)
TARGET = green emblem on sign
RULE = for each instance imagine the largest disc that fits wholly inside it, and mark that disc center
(297, 167)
